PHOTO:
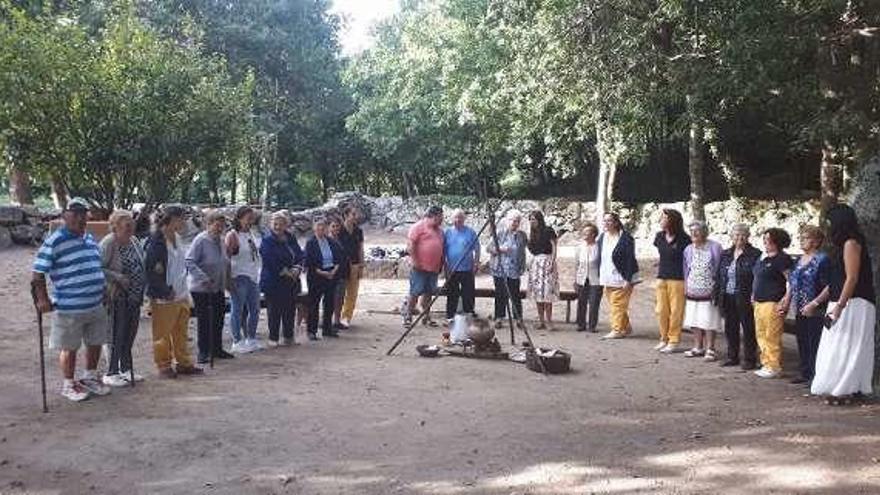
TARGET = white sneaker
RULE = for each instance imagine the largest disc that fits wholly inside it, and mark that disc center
(74, 392)
(345, 323)
(94, 385)
(127, 377)
(114, 380)
(670, 349)
(767, 373)
(660, 346)
(612, 335)
(695, 352)
(256, 345)
(241, 347)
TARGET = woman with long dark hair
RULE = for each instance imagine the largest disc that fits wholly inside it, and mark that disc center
(244, 266)
(670, 242)
(543, 273)
(845, 360)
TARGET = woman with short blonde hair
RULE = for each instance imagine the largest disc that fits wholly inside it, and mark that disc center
(123, 261)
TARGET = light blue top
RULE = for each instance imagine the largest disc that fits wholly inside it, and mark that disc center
(326, 253)
(73, 264)
(461, 247)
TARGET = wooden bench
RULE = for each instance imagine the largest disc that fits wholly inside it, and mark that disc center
(489, 292)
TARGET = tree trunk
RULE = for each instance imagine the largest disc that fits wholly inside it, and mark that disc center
(605, 188)
(59, 193)
(234, 184)
(20, 186)
(865, 199)
(607, 145)
(409, 188)
(830, 177)
(267, 185)
(733, 177)
(696, 167)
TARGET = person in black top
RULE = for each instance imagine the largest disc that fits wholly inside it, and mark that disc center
(734, 291)
(352, 239)
(769, 293)
(670, 243)
(335, 233)
(845, 360)
(543, 284)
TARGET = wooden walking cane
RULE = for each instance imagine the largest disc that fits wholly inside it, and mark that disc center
(34, 290)
(211, 324)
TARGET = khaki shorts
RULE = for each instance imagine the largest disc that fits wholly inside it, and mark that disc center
(71, 330)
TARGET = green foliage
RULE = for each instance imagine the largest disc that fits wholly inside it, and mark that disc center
(534, 93)
(127, 115)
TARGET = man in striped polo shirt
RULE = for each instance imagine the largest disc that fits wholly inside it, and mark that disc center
(72, 260)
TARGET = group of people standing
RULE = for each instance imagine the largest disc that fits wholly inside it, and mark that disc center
(456, 252)
(747, 294)
(99, 289)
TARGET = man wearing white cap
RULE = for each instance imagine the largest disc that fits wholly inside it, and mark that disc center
(72, 260)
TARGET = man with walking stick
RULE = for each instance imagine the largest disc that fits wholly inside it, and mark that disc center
(71, 259)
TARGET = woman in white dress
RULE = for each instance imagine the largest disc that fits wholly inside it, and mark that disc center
(845, 360)
(701, 313)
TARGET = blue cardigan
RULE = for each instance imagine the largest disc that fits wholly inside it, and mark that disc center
(278, 255)
(314, 259)
(624, 255)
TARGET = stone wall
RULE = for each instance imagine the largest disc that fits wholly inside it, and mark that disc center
(568, 217)
(23, 225)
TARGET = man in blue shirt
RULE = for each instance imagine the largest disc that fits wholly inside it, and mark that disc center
(72, 260)
(462, 251)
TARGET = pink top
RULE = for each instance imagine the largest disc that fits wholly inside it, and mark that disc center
(427, 246)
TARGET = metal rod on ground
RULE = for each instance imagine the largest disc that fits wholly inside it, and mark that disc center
(445, 283)
(42, 351)
(511, 307)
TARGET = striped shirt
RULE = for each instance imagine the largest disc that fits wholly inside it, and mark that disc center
(73, 264)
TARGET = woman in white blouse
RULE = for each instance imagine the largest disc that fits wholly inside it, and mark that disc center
(586, 282)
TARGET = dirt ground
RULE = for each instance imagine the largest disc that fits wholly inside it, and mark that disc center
(339, 417)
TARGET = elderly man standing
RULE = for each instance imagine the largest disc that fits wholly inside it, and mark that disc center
(462, 250)
(425, 246)
(72, 260)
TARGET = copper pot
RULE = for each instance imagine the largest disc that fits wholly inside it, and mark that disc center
(480, 335)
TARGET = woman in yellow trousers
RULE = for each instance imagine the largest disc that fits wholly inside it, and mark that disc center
(670, 242)
(770, 299)
(618, 273)
(352, 239)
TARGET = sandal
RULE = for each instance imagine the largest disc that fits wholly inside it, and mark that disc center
(694, 353)
(710, 355)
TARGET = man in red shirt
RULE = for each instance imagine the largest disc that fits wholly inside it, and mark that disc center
(425, 246)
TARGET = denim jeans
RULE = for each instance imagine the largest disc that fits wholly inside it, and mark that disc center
(245, 308)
